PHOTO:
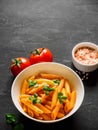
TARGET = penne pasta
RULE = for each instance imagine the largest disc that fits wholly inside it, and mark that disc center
(24, 87)
(70, 104)
(32, 107)
(55, 111)
(60, 86)
(42, 80)
(54, 98)
(43, 108)
(67, 87)
(47, 96)
(35, 90)
(50, 76)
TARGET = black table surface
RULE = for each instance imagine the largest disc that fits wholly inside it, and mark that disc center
(58, 25)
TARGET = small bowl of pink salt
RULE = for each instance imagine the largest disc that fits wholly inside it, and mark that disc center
(85, 56)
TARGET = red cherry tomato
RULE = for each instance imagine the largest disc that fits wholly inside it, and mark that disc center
(18, 64)
(41, 55)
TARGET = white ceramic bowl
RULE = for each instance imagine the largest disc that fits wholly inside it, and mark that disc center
(49, 67)
(81, 66)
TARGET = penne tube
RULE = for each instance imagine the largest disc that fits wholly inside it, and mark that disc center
(32, 107)
(60, 115)
(65, 94)
(24, 96)
(46, 117)
(43, 108)
(30, 112)
(24, 107)
(31, 77)
(36, 114)
(71, 103)
(55, 111)
(54, 98)
(50, 76)
(24, 87)
(67, 87)
(39, 117)
(35, 90)
(48, 107)
(60, 86)
(42, 80)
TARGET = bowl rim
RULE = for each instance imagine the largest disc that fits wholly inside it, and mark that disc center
(49, 121)
(84, 44)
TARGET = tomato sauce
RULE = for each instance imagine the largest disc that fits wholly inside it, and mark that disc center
(87, 55)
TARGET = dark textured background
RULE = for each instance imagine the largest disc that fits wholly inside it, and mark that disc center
(57, 25)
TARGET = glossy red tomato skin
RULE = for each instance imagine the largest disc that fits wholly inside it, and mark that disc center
(15, 69)
(45, 55)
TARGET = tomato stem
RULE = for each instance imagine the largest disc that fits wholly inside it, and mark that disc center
(16, 62)
(37, 51)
